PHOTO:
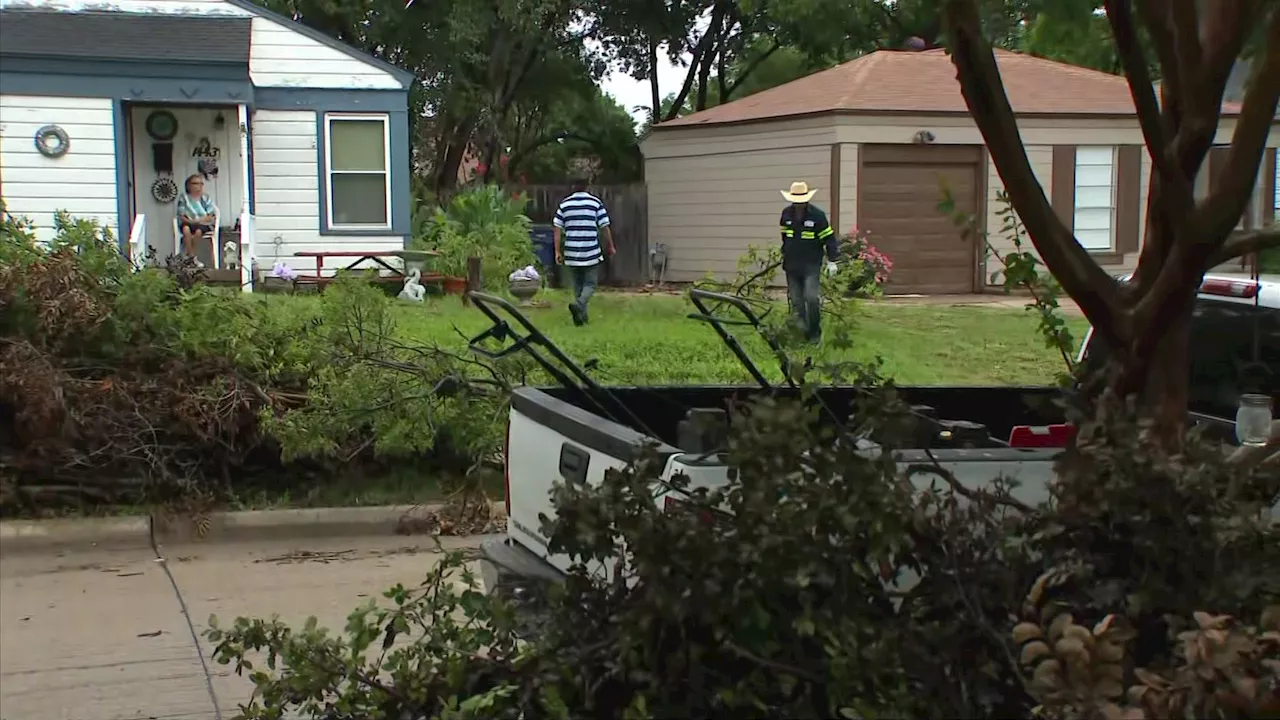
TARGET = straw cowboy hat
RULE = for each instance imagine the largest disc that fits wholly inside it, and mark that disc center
(800, 192)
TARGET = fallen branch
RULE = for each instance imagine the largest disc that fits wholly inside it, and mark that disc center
(935, 469)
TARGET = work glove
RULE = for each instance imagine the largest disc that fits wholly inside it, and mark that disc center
(831, 269)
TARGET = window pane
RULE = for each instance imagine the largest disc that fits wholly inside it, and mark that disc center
(359, 199)
(1093, 197)
(1094, 155)
(1094, 239)
(1093, 176)
(357, 145)
(1221, 355)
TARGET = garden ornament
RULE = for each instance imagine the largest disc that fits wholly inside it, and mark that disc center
(413, 289)
(282, 271)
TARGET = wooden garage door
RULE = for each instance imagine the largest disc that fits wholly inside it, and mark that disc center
(898, 193)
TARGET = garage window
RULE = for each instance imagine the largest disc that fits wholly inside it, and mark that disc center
(357, 157)
(1095, 197)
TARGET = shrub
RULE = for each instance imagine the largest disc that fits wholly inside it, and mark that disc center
(818, 584)
(871, 267)
(120, 385)
(483, 222)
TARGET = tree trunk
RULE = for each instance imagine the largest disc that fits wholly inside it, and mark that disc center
(456, 141)
(655, 95)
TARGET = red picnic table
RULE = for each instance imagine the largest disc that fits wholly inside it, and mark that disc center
(377, 257)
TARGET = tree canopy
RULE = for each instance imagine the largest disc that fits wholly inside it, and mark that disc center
(1196, 46)
(515, 83)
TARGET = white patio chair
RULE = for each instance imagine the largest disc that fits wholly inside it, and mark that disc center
(216, 250)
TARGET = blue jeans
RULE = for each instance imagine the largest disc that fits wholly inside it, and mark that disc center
(583, 281)
(804, 293)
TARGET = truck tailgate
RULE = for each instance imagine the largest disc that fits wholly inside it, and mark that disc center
(550, 440)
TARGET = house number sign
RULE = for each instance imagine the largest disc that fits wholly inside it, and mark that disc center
(205, 149)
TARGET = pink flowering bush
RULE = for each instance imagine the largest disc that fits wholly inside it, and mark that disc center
(872, 266)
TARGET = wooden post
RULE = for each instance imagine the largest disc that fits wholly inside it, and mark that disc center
(473, 278)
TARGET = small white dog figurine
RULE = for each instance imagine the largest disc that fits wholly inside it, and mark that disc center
(231, 254)
(413, 289)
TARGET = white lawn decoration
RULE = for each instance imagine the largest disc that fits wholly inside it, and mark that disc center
(413, 289)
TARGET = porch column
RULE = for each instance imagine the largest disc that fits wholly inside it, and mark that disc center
(248, 250)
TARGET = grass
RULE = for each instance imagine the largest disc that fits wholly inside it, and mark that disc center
(648, 339)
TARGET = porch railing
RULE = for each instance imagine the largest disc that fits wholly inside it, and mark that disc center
(138, 241)
(248, 252)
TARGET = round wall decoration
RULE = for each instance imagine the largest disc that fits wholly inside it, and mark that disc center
(162, 125)
(52, 141)
(164, 189)
(207, 166)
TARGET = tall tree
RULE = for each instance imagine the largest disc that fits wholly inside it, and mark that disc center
(474, 60)
(1146, 322)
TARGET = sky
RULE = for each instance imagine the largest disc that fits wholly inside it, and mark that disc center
(633, 94)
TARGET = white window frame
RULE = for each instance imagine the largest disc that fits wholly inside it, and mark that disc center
(1075, 210)
(1275, 192)
(329, 119)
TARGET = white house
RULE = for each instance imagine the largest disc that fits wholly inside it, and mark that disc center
(107, 106)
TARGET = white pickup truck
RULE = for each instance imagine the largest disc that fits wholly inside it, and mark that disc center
(580, 430)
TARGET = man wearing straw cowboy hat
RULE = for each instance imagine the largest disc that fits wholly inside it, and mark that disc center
(805, 235)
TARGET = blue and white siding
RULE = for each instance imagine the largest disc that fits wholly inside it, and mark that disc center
(294, 76)
(82, 182)
(280, 57)
(288, 186)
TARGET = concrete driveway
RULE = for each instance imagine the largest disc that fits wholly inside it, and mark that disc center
(104, 634)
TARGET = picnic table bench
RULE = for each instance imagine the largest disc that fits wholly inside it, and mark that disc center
(378, 259)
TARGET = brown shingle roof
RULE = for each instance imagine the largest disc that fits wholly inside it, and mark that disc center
(890, 81)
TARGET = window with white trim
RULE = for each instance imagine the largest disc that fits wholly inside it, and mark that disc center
(1095, 209)
(1275, 200)
(357, 156)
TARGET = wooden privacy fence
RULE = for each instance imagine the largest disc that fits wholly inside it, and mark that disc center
(629, 215)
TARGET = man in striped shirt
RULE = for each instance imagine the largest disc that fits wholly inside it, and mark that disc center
(581, 221)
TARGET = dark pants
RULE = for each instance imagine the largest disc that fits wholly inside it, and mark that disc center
(583, 280)
(803, 291)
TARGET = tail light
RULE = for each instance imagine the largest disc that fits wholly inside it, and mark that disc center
(671, 506)
(1230, 288)
(506, 467)
(1041, 436)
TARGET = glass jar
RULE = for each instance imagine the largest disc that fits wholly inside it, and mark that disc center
(1253, 420)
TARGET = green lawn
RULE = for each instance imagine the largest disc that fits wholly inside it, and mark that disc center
(648, 339)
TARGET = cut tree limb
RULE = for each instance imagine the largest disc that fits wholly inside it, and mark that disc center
(1245, 243)
(1218, 214)
(1179, 196)
(1096, 292)
(1206, 232)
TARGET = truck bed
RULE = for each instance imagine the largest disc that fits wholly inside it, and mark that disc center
(661, 408)
(552, 436)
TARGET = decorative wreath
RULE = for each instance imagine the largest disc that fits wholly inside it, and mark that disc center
(164, 189)
(52, 141)
(162, 125)
(207, 166)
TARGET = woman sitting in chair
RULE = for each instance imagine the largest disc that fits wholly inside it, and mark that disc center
(196, 215)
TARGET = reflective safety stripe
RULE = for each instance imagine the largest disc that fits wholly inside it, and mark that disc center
(807, 235)
(826, 232)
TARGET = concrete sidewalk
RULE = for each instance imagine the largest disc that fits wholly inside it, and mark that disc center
(101, 634)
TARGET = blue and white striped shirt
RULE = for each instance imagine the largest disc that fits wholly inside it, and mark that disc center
(580, 217)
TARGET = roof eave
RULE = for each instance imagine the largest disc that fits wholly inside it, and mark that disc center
(675, 125)
(405, 77)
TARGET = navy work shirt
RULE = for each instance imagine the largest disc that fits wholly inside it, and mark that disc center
(804, 239)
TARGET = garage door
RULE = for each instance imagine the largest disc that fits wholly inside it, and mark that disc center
(899, 189)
